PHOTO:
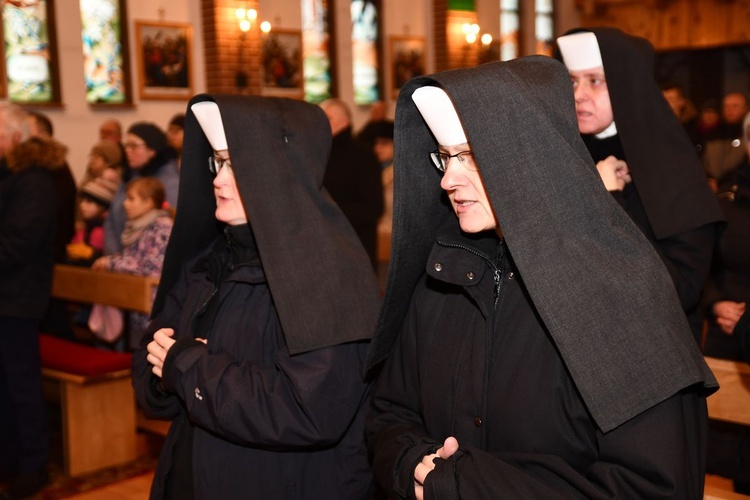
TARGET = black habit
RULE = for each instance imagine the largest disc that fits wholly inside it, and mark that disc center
(273, 405)
(559, 356)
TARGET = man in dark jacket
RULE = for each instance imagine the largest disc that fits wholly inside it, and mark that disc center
(56, 320)
(353, 177)
(27, 226)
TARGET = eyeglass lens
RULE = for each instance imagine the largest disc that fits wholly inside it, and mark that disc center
(216, 163)
(441, 159)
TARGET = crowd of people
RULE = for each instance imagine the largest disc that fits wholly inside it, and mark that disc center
(538, 332)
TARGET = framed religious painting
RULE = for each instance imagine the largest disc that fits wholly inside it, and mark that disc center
(105, 55)
(407, 57)
(165, 65)
(31, 52)
(281, 64)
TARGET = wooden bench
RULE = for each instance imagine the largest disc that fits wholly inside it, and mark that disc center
(94, 386)
(731, 403)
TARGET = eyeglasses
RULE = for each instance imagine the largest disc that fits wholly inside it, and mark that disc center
(216, 163)
(134, 145)
(440, 160)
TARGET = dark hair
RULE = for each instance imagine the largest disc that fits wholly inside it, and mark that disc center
(178, 120)
(43, 122)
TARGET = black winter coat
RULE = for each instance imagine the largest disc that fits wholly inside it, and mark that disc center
(264, 424)
(475, 362)
(28, 214)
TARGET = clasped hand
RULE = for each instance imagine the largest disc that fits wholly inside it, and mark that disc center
(614, 173)
(728, 313)
(159, 348)
(450, 446)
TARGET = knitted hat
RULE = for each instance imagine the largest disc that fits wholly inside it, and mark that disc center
(108, 150)
(151, 135)
(100, 190)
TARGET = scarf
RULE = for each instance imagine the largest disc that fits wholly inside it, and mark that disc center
(134, 228)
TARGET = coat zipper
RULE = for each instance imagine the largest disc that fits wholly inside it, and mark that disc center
(497, 275)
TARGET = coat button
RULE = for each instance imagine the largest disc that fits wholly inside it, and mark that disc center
(511, 275)
(438, 266)
(478, 422)
(736, 143)
(470, 275)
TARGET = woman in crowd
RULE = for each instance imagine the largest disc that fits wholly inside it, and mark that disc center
(263, 313)
(148, 155)
(536, 346)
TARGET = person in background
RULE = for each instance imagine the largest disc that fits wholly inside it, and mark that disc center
(382, 135)
(56, 320)
(725, 301)
(378, 113)
(148, 155)
(41, 126)
(111, 130)
(28, 215)
(263, 315)
(643, 155)
(353, 177)
(683, 108)
(708, 121)
(95, 198)
(532, 351)
(144, 241)
(724, 153)
(176, 134)
(105, 160)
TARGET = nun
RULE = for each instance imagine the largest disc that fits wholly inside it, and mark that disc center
(531, 343)
(643, 154)
(263, 314)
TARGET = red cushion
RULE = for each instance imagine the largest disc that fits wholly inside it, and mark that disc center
(70, 357)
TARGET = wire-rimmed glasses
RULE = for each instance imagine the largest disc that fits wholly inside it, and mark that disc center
(440, 160)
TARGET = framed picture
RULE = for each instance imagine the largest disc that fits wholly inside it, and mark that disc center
(407, 56)
(281, 64)
(105, 54)
(165, 66)
(31, 52)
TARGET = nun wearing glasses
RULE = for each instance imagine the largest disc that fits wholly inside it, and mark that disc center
(263, 315)
(534, 345)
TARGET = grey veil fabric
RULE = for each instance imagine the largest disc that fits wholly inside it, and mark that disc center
(320, 278)
(599, 287)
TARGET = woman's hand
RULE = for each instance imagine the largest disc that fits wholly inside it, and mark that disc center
(450, 446)
(727, 314)
(158, 349)
(614, 173)
(100, 264)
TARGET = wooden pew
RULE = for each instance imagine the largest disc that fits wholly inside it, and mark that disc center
(94, 386)
(731, 403)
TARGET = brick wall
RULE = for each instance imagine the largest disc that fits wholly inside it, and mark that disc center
(228, 53)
